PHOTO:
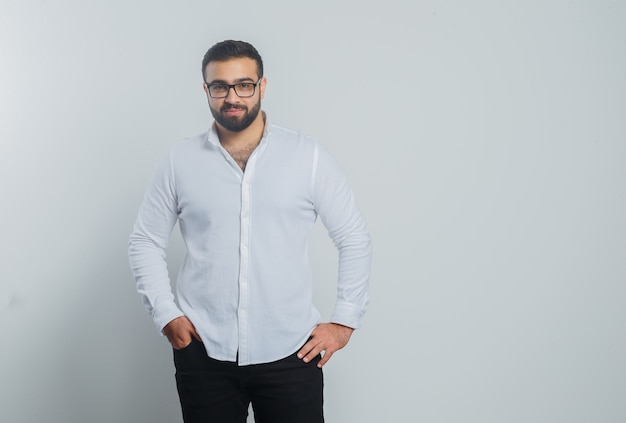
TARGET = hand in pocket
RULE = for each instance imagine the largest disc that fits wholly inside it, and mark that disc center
(180, 332)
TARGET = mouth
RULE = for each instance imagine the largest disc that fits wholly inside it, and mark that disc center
(233, 111)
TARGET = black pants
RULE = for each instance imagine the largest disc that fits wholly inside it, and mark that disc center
(213, 391)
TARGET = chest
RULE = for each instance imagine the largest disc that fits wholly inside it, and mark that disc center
(240, 154)
(213, 192)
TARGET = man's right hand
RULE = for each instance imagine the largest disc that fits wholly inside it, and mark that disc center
(180, 331)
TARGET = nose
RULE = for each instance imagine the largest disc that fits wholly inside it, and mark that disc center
(231, 96)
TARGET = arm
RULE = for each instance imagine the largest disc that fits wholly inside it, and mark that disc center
(335, 204)
(148, 242)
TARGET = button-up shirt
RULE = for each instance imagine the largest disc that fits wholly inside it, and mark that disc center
(246, 281)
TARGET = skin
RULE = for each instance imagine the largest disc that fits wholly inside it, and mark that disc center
(180, 332)
(326, 338)
(239, 144)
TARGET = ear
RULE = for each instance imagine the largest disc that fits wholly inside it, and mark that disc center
(262, 86)
(204, 87)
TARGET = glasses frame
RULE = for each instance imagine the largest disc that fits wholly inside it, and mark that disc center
(255, 84)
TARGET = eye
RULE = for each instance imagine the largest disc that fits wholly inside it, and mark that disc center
(244, 85)
(218, 87)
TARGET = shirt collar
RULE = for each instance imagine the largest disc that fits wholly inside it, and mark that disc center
(214, 139)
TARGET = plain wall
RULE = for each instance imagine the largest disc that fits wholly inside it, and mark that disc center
(486, 145)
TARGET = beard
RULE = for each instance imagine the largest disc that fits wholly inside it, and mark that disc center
(236, 123)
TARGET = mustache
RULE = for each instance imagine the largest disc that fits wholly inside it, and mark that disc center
(227, 107)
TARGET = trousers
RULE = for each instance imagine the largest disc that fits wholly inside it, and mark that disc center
(212, 391)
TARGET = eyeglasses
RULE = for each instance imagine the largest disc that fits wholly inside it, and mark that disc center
(242, 89)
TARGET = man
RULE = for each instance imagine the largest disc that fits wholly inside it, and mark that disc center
(246, 195)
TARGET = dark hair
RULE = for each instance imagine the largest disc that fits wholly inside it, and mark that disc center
(230, 49)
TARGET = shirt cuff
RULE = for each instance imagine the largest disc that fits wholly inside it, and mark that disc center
(165, 314)
(347, 314)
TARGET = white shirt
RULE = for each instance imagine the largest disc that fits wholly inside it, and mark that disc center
(246, 282)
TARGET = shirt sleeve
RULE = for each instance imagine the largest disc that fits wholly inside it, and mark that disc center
(149, 239)
(335, 204)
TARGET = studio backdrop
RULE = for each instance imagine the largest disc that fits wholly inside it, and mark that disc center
(485, 142)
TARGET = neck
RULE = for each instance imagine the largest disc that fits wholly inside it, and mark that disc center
(250, 136)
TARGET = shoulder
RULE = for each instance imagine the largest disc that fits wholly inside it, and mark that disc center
(190, 145)
(185, 151)
(286, 137)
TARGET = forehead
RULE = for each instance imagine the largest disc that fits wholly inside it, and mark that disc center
(231, 70)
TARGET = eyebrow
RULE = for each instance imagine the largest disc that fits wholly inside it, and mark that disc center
(236, 81)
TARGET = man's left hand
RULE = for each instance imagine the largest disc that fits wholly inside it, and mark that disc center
(327, 337)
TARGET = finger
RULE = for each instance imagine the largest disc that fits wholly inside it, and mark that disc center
(317, 350)
(307, 348)
(188, 329)
(324, 360)
(304, 351)
(181, 342)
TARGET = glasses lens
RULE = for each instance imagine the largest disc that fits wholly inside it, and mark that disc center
(244, 89)
(217, 91)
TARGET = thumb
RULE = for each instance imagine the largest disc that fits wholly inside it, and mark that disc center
(195, 334)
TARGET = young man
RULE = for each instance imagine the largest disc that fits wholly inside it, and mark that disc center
(246, 195)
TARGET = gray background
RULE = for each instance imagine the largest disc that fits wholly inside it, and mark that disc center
(485, 141)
